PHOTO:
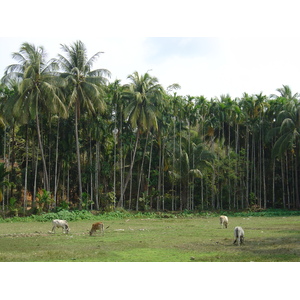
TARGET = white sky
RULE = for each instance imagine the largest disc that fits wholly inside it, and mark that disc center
(252, 52)
(202, 66)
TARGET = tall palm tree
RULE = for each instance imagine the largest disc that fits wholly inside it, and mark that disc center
(38, 89)
(287, 126)
(289, 137)
(85, 87)
(144, 93)
(285, 92)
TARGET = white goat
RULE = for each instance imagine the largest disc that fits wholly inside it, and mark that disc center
(60, 223)
(224, 221)
(239, 235)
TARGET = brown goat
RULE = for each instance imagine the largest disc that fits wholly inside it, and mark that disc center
(97, 226)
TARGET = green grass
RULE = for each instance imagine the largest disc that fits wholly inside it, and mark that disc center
(198, 239)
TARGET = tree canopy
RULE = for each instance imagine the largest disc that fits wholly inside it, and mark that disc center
(70, 138)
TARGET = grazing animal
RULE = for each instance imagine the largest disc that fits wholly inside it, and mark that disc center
(239, 235)
(97, 226)
(224, 221)
(60, 223)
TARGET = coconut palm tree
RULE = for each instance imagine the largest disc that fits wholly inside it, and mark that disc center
(38, 89)
(143, 93)
(85, 90)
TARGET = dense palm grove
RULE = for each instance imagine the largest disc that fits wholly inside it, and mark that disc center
(72, 139)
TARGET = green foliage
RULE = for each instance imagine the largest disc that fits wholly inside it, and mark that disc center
(45, 200)
(66, 215)
(120, 214)
(63, 205)
(86, 201)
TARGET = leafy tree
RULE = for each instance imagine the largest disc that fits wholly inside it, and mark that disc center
(142, 93)
(38, 89)
(85, 90)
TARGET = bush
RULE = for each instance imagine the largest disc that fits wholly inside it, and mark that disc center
(124, 214)
(66, 215)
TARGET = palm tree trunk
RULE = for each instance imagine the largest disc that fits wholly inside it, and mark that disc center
(273, 185)
(141, 169)
(78, 156)
(247, 168)
(264, 177)
(287, 181)
(120, 203)
(91, 178)
(297, 181)
(173, 164)
(4, 156)
(97, 174)
(35, 178)
(26, 173)
(282, 182)
(46, 184)
(149, 168)
(115, 164)
(159, 178)
(235, 200)
(56, 165)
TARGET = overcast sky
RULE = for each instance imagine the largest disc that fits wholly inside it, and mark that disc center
(201, 65)
(256, 46)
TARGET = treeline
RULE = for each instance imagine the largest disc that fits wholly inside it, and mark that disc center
(70, 138)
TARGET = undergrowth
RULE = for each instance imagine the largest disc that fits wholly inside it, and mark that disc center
(76, 215)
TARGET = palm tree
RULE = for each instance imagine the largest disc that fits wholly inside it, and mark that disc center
(289, 138)
(287, 124)
(144, 93)
(85, 87)
(38, 89)
(285, 92)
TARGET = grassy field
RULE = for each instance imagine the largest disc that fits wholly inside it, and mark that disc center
(267, 239)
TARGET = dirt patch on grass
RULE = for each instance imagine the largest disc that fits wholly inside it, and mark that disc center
(18, 235)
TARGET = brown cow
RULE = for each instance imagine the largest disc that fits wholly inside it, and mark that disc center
(97, 226)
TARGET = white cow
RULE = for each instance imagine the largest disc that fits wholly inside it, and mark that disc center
(60, 223)
(239, 235)
(224, 221)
